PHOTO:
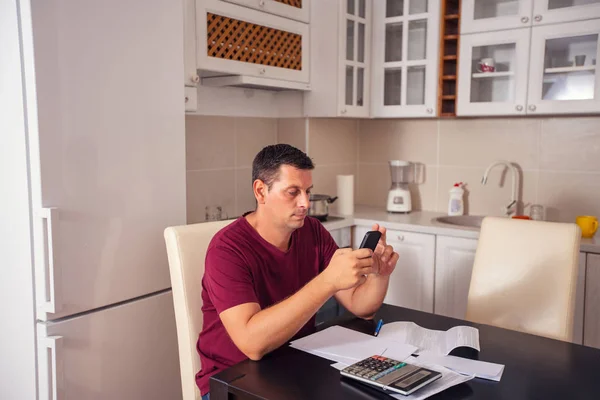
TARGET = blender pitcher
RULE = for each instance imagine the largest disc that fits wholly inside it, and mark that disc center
(402, 173)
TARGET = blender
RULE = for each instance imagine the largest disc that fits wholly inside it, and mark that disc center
(403, 173)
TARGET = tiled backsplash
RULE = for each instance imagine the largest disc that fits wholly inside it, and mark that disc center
(559, 158)
(219, 154)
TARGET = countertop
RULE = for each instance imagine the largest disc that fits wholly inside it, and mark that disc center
(423, 222)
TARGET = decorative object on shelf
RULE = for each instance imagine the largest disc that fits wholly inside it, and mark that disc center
(580, 60)
(486, 65)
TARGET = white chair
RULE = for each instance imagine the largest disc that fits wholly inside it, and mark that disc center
(186, 248)
(525, 276)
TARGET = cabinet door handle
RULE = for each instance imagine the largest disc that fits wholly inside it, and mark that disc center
(195, 78)
(430, 111)
(525, 20)
(261, 3)
(344, 111)
(262, 71)
(532, 107)
(519, 108)
(401, 238)
(187, 99)
(538, 18)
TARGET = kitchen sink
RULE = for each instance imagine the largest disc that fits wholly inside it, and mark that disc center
(473, 221)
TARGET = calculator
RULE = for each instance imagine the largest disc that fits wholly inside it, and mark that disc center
(390, 375)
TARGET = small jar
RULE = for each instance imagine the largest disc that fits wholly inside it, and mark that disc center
(536, 212)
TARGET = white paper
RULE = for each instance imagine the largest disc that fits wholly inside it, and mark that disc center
(480, 369)
(441, 342)
(449, 378)
(347, 346)
(339, 366)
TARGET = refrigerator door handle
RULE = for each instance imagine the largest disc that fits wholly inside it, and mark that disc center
(50, 367)
(48, 290)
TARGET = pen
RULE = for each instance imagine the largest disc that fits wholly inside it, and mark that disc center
(379, 324)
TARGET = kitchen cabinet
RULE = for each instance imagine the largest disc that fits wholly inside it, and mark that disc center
(535, 71)
(411, 283)
(591, 335)
(342, 236)
(237, 40)
(580, 301)
(502, 92)
(405, 58)
(557, 84)
(341, 58)
(554, 11)
(293, 9)
(494, 15)
(454, 258)
(190, 73)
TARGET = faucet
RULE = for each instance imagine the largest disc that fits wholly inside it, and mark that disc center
(515, 184)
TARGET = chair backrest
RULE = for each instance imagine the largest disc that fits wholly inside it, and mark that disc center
(525, 276)
(186, 248)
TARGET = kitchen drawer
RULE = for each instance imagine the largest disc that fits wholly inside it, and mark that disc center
(293, 9)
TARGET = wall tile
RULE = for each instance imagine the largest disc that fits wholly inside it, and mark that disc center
(479, 142)
(566, 195)
(378, 141)
(325, 180)
(332, 141)
(209, 188)
(209, 142)
(489, 199)
(570, 144)
(245, 200)
(373, 184)
(418, 140)
(251, 135)
(292, 131)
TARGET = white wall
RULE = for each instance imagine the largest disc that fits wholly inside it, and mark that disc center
(17, 334)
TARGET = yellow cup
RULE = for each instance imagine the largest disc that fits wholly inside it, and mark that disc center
(588, 225)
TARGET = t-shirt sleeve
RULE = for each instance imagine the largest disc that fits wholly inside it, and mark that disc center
(327, 246)
(227, 279)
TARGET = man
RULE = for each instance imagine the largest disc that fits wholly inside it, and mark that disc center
(269, 272)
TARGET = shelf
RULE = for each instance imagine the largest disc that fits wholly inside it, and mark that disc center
(450, 37)
(451, 57)
(447, 115)
(563, 70)
(451, 16)
(481, 75)
(449, 77)
(448, 97)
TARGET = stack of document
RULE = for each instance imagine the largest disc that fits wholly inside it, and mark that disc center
(347, 346)
(401, 341)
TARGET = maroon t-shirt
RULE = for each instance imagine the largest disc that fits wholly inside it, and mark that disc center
(242, 267)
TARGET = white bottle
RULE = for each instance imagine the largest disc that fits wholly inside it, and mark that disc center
(456, 205)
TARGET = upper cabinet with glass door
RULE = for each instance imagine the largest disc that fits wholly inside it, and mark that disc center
(493, 15)
(405, 58)
(564, 75)
(341, 59)
(492, 73)
(555, 11)
(293, 9)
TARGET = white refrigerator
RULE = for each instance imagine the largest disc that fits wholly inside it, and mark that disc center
(92, 170)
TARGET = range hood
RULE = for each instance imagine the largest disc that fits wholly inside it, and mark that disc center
(253, 82)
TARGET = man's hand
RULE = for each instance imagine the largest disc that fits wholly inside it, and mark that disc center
(384, 259)
(347, 268)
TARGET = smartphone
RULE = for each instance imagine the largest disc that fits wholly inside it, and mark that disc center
(370, 240)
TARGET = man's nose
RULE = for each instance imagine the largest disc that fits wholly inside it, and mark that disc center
(304, 200)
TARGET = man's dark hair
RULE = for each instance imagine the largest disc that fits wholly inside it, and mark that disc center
(267, 162)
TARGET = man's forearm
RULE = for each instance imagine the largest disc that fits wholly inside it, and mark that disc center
(368, 297)
(272, 327)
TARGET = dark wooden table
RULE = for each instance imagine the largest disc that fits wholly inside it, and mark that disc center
(536, 368)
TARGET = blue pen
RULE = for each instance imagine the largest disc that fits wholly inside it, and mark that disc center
(379, 325)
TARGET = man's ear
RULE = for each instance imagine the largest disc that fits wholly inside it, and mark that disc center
(260, 191)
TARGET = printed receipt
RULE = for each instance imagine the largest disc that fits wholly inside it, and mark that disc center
(441, 342)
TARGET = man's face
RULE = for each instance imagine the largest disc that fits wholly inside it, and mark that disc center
(288, 199)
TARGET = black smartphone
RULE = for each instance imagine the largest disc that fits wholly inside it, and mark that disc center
(370, 240)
